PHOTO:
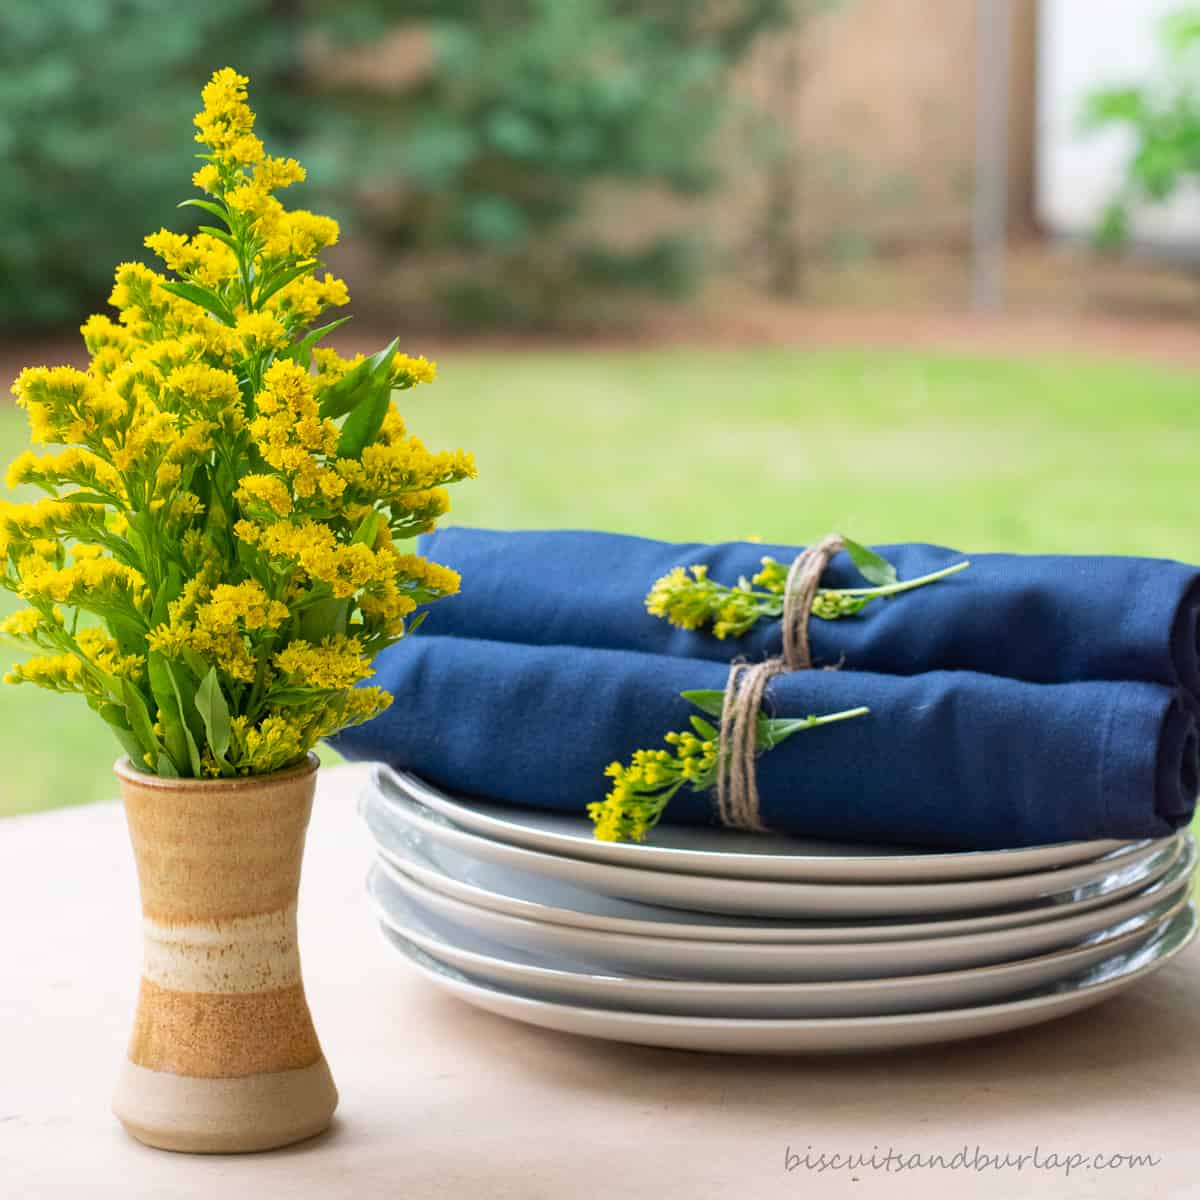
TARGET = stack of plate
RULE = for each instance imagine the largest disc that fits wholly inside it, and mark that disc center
(711, 940)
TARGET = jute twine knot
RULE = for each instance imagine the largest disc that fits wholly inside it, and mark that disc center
(737, 789)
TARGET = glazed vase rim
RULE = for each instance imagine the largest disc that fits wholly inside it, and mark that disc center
(124, 769)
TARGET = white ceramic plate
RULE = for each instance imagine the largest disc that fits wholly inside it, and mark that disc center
(701, 851)
(563, 980)
(523, 894)
(685, 958)
(755, 897)
(828, 1035)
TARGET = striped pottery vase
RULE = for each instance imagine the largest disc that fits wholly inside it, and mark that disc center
(224, 1057)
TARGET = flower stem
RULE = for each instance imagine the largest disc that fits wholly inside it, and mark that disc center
(903, 585)
(780, 728)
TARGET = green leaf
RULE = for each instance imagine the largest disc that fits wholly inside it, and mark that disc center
(196, 664)
(773, 730)
(193, 750)
(281, 280)
(175, 738)
(114, 715)
(86, 498)
(138, 716)
(1113, 105)
(214, 712)
(363, 424)
(367, 530)
(130, 745)
(704, 729)
(707, 700)
(874, 568)
(202, 296)
(323, 619)
(208, 205)
(220, 235)
(166, 766)
(357, 385)
(301, 352)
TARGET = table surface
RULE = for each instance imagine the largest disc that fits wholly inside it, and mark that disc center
(440, 1100)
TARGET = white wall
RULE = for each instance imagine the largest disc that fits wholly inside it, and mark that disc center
(1084, 44)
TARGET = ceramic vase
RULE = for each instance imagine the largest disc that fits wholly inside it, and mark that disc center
(223, 1057)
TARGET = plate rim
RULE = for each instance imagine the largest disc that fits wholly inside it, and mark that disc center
(942, 895)
(1044, 998)
(1149, 926)
(741, 864)
(615, 941)
(1183, 861)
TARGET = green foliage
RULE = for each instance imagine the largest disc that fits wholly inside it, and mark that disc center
(95, 100)
(487, 159)
(1164, 118)
(532, 104)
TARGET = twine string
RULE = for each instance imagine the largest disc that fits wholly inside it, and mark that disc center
(746, 685)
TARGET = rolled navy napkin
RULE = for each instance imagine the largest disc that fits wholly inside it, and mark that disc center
(944, 759)
(1043, 618)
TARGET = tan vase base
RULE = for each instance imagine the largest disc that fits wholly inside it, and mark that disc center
(224, 1116)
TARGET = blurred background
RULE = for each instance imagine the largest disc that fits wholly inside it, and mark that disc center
(911, 269)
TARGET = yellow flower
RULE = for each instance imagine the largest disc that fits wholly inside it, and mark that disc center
(259, 331)
(206, 391)
(197, 504)
(290, 433)
(332, 367)
(301, 234)
(104, 652)
(65, 405)
(23, 623)
(99, 333)
(203, 257)
(71, 466)
(57, 672)
(257, 492)
(305, 299)
(92, 583)
(334, 664)
(408, 371)
(245, 603)
(277, 743)
(221, 622)
(388, 471)
(275, 173)
(226, 118)
(208, 179)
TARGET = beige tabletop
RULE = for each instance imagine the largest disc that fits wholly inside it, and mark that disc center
(439, 1100)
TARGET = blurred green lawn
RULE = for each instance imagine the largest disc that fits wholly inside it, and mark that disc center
(977, 453)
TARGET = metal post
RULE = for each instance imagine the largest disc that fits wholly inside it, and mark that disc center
(989, 213)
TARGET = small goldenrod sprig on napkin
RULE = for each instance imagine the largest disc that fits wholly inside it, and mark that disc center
(689, 599)
(643, 787)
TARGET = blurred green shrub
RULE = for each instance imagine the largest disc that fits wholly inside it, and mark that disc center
(529, 111)
(93, 99)
(486, 159)
(1164, 117)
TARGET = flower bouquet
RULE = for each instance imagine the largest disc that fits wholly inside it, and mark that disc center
(213, 570)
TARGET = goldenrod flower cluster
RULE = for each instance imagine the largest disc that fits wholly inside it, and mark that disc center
(643, 788)
(689, 599)
(216, 562)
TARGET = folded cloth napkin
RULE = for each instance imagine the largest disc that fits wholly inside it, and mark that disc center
(944, 759)
(1049, 619)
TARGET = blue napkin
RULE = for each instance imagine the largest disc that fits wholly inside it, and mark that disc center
(1048, 619)
(945, 759)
